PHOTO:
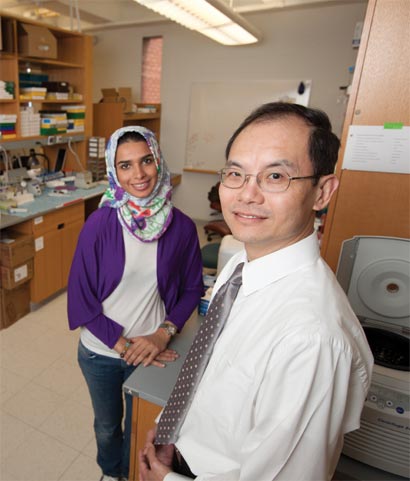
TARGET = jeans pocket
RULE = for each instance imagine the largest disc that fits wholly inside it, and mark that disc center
(84, 353)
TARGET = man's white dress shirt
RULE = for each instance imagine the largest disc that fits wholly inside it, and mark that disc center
(287, 378)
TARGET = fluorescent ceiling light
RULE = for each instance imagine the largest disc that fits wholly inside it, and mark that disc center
(210, 17)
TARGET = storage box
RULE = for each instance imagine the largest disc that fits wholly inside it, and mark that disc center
(12, 277)
(14, 304)
(125, 95)
(15, 248)
(109, 95)
(36, 41)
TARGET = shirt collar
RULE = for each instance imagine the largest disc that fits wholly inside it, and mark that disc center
(258, 273)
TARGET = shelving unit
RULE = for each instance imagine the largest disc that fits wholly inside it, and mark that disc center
(73, 65)
(110, 116)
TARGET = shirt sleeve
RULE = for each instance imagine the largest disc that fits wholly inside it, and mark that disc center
(175, 477)
(299, 414)
(86, 289)
(297, 425)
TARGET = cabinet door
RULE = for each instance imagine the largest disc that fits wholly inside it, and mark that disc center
(47, 266)
(69, 239)
(374, 203)
(144, 414)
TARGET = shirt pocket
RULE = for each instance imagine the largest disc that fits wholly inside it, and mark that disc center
(226, 396)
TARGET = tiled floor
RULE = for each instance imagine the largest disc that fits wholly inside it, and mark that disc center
(46, 417)
(45, 412)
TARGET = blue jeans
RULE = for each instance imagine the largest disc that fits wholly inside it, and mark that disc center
(105, 376)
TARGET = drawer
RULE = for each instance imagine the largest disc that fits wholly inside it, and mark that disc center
(53, 220)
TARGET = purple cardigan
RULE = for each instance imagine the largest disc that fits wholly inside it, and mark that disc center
(98, 265)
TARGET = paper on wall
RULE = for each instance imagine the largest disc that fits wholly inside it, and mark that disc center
(378, 148)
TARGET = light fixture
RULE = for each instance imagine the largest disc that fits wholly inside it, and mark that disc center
(210, 17)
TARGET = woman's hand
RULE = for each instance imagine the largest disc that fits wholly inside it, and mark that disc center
(150, 350)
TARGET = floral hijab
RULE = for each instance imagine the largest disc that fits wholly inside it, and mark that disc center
(145, 218)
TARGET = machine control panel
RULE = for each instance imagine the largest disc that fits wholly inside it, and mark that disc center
(384, 398)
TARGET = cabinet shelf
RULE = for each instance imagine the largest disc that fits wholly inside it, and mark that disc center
(140, 116)
(50, 101)
(73, 65)
(48, 62)
(7, 55)
(27, 142)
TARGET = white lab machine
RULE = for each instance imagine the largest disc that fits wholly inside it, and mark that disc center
(375, 274)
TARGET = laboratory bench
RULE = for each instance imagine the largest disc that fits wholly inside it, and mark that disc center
(151, 386)
(48, 202)
(54, 221)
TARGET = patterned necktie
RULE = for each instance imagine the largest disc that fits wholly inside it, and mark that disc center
(197, 359)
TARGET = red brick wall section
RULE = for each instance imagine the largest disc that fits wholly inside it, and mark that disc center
(151, 70)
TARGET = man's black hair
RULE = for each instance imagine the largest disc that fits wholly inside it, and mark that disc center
(323, 143)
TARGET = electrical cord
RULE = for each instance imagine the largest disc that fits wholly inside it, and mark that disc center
(33, 154)
(70, 148)
(6, 163)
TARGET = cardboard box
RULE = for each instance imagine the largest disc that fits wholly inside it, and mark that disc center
(109, 95)
(36, 41)
(125, 96)
(14, 304)
(15, 248)
(11, 277)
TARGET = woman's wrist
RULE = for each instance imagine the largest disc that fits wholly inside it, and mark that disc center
(169, 327)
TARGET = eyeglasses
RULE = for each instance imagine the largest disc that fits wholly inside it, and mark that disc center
(270, 180)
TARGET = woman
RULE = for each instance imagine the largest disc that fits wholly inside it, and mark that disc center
(135, 279)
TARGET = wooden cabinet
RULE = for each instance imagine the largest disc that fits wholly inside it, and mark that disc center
(73, 65)
(374, 203)
(144, 414)
(110, 116)
(55, 239)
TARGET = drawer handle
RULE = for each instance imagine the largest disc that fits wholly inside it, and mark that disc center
(60, 226)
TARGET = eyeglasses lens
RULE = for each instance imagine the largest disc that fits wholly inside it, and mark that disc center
(270, 180)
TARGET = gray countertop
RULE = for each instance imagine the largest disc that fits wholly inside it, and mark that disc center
(45, 203)
(155, 385)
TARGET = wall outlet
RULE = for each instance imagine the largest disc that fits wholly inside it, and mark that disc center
(51, 140)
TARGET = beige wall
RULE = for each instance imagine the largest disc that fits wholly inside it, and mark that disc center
(299, 43)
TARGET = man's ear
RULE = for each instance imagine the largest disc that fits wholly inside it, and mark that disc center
(328, 184)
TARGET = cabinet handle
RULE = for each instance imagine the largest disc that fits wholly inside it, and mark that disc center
(60, 226)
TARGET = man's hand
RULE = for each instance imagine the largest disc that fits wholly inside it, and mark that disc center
(164, 452)
(150, 467)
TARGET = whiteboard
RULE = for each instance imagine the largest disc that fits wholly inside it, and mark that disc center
(218, 108)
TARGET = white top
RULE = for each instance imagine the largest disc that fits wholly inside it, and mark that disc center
(288, 376)
(135, 303)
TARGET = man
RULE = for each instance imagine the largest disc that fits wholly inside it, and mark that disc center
(289, 373)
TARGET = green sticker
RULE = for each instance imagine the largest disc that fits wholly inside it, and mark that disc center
(393, 125)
